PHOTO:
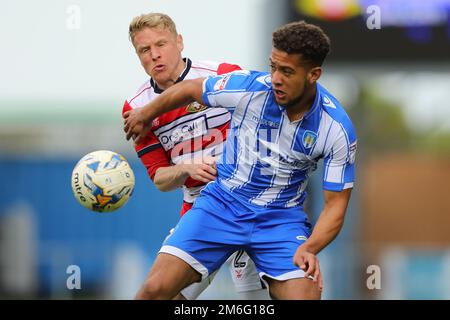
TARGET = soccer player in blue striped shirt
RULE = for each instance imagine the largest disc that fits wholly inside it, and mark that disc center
(283, 123)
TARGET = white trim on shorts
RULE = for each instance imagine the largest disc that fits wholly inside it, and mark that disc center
(285, 276)
(186, 258)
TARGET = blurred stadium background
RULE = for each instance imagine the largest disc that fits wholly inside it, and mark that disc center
(67, 67)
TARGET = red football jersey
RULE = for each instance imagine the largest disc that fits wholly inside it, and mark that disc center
(191, 131)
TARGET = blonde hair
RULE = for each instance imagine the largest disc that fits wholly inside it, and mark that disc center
(151, 20)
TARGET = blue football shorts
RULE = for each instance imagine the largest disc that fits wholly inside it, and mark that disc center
(218, 225)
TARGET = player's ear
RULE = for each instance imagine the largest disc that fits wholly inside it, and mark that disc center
(314, 74)
(180, 44)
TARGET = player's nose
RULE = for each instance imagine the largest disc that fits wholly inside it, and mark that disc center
(156, 54)
(276, 79)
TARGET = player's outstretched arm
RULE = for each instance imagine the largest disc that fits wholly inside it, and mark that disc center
(330, 220)
(326, 229)
(138, 121)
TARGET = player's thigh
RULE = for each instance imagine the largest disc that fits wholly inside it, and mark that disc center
(171, 274)
(206, 235)
(294, 289)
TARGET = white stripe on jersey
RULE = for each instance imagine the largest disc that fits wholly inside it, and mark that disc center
(300, 191)
(281, 178)
(235, 98)
(246, 153)
(336, 166)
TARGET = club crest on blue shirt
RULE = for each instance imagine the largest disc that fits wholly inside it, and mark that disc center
(309, 139)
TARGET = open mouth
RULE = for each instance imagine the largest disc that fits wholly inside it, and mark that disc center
(279, 94)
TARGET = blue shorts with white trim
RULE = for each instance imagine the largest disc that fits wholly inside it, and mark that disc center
(218, 225)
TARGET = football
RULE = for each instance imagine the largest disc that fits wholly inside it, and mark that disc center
(102, 181)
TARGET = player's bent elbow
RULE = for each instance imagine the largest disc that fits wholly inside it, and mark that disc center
(162, 181)
(163, 187)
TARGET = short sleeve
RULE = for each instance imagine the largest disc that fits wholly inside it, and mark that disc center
(226, 90)
(339, 164)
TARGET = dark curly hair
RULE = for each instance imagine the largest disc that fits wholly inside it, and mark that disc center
(306, 39)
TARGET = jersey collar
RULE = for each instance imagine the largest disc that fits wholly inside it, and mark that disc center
(180, 78)
(315, 104)
(311, 110)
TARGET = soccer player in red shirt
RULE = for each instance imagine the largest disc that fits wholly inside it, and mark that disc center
(179, 150)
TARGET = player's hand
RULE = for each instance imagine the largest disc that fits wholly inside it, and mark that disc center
(135, 125)
(211, 161)
(204, 171)
(309, 263)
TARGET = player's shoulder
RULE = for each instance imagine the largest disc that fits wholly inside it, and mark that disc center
(206, 68)
(333, 108)
(255, 80)
(244, 80)
(141, 96)
(203, 68)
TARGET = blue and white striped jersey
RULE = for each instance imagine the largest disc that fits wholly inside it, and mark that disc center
(267, 158)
